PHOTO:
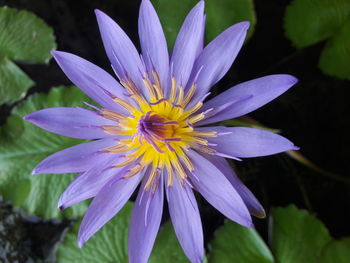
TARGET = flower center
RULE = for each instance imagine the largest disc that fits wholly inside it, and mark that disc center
(157, 132)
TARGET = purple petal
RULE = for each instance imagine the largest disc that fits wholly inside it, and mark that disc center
(107, 203)
(188, 42)
(201, 41)
(145, 220)
(248, 142)
(216, 59)
(217, 190)
(253, 205)
(72, 122)
(186, 220)
(247, 97)
(120, 50)
(88, 184)
(153, 43)
(76, 159)
(91, 79)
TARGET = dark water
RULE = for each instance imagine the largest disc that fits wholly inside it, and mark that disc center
(314, 114)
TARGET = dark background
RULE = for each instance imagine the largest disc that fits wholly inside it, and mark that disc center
(314, 115)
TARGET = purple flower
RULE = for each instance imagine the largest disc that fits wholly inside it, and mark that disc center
(150, 128)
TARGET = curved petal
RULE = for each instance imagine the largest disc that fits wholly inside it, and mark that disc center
(248, 142)
(201, 41)
(186, 220)
(145, 220)
(216, 59)
(76, 159)
(72, 122)
(92, 80)
(217, 190)
(247, 97)
(253, 205)
(107, 203)
(153, 43)
(88, 184)
(120, 50)
(188, 41)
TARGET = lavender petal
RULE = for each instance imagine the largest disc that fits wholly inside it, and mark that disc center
(145, 221)
(88, 184)
(188, 41)
(76, 159)
(186, 220)
(248, 96)
(153, 43)
(107, 203)
(72, 122)
(216, 59)
(253, 205)
(217, 190)
(92, 80)
(248, 142)
(120, 50)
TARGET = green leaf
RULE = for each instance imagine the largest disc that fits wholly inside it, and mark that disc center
(109, 244)
(297, 236)
(24, 36)
(220, 15)
(235, 243)
(23, 146)
(310, 21)
(336, 252)
(14, 83)
(335, 57)
(167, 246)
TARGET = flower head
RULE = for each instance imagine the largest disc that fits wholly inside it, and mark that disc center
(150, 127)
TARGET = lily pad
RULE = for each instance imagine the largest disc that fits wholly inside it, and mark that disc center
(110, 244)
(337, 251)
(297, 236)
(311, 21)
(335, 57)
(235, 243)
(14, 83)
(24, 36)
(23, 146)
(220, 15)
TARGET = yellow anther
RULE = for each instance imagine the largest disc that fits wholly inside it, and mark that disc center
(180, 97)
(151, 90)
(126, 105)
(173, 90)
(189, 94)
(133, 171)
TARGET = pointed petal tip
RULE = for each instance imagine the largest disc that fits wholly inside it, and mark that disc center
(295, 148)
(57, 54)
(26, 118)
(251, 225)
(98, 12)
(80, 242)
(260, 214)
(244, 25)
(34, 171)
(285, 79)
(100, 15)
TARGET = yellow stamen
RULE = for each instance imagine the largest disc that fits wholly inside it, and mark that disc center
(173, 89)
(189, 94)
(126, 105)
(133, 171)
(180, 97)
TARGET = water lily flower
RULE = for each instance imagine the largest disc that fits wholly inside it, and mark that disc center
(149, 129)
